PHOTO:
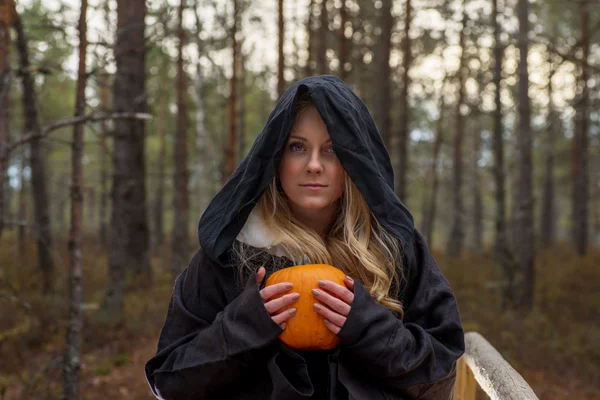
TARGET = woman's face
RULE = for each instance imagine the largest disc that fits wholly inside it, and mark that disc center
(310, 173)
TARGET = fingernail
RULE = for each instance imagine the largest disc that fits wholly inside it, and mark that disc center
(292, 311)
(295, 296)
(283, 325)
(316, 292)
(289, 285)
(317, 306)
(322, 283)
(349, 279)
(327, 322)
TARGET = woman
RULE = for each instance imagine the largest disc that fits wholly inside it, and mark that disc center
(316, 187)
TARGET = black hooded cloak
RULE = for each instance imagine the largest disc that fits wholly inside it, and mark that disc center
(219, 342)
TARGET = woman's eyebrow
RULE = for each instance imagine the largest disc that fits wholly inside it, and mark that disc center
(305, 139)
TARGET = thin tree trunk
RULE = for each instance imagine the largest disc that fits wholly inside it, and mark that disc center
(500, 244)
(72, 364)
(404, 128)
(129, 233)
(343, 42)
(181, 196)
(241, 124)
(22, 208)
(430, 205)
(548, 221)
(103, 149)
(38, 175)
(455, 242)
(525, 242)
(502, 250)
(281, 58)
(477, 197)
(159, 195)
(230, 146)
(310, 62)
(321, 57)
(104, 83)
(5, 21)
(202, 138)
(383, 83)
(580, 142)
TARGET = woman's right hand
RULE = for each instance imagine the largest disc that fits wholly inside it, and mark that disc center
(274, 306)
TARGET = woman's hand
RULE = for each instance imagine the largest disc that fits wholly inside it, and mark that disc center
(273, 306)
(334, 308)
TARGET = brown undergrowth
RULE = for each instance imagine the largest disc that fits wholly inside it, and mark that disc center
(556, 347)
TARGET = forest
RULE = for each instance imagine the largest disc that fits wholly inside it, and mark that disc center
(120, 120)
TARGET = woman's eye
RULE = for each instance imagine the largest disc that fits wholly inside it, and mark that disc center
(330, 150)
(295, 146)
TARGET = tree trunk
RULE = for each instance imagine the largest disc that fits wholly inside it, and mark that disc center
(525, 242)
(281, 59)
(38, 175)
(502, 251)
(104, 83)
(241, 123)
(383, 82)
(72, 363)
(129, 233)
(404, 128)
(455, 242)
(5, 21)
(343, 42)
(580, 142)
(430, 203)
(500, 244)
(159, 195)
(548, 221)
(22, 208)
(323, 32)
(181, 196)
(310, 62)
(230, 146)
(205, 167)
(477, 197)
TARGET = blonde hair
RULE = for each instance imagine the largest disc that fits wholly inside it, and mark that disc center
(356, 243)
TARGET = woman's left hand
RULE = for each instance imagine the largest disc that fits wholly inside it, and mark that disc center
(334, 302)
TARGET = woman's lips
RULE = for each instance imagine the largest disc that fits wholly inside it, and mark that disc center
(314, 187)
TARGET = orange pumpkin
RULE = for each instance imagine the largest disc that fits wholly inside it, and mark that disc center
(306, 330)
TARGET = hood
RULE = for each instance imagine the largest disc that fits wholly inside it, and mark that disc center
(356, 142)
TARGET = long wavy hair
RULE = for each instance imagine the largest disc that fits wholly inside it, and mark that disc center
(356, 243)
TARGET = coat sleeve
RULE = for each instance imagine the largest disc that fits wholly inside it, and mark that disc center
(205, 343)
(417, 355)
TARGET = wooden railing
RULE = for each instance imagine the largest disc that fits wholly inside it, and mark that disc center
(483, 374)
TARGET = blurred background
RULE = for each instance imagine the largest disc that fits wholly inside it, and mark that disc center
(120, 120)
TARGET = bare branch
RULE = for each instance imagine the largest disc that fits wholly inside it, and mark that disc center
(71, 121)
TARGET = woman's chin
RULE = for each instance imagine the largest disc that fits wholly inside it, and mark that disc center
(315, 206)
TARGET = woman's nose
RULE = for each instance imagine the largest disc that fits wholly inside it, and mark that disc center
(315, 164)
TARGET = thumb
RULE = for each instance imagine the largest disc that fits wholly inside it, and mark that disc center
(260, 275)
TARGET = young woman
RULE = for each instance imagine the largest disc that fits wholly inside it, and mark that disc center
(316, 187)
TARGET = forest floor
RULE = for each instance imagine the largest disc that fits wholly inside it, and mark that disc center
(555, 348)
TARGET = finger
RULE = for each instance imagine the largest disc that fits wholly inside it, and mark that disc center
(275, 305)
(272, 290)
(330, 315)
(260, 275)
(282, 326)
(332, 302)
(332, 327)
(284, 316)
(340, 291)
(349, 283)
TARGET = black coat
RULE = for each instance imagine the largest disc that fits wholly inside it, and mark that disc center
(218, 340)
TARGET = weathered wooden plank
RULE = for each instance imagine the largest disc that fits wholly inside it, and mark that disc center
(482, 364)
